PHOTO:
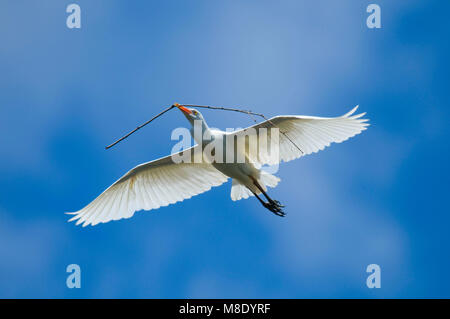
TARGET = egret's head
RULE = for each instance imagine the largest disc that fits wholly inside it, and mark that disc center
(191, 114)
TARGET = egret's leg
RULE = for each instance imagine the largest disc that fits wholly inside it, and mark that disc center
(273, 205)
(259, 198)
(277, 203)
(270, 206)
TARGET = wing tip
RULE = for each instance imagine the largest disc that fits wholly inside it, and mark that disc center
(74, 218)
(353, 110)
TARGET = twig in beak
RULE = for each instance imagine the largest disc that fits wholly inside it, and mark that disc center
(207, 107)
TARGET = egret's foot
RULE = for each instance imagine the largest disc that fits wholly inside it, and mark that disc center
(277, 203)
(275, 208)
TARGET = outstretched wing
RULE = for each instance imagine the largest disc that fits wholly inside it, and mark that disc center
(302, 135)
(149, 186)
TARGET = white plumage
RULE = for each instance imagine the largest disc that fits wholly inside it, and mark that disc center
(162, 182)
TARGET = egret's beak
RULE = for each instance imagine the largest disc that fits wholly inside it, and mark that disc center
(185, 110)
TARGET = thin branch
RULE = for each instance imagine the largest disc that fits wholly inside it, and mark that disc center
(139, 127)
(207, 107)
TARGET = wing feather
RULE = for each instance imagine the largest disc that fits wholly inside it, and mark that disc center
(149, 186)
(310, 133)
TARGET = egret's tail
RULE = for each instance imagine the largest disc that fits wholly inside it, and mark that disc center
(267, 179)
(240, 191)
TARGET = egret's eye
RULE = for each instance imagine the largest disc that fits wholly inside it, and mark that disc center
(195, 112)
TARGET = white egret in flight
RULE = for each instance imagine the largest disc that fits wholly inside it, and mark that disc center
(163, 181)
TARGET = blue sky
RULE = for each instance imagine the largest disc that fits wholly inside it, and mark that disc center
(380, 197)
